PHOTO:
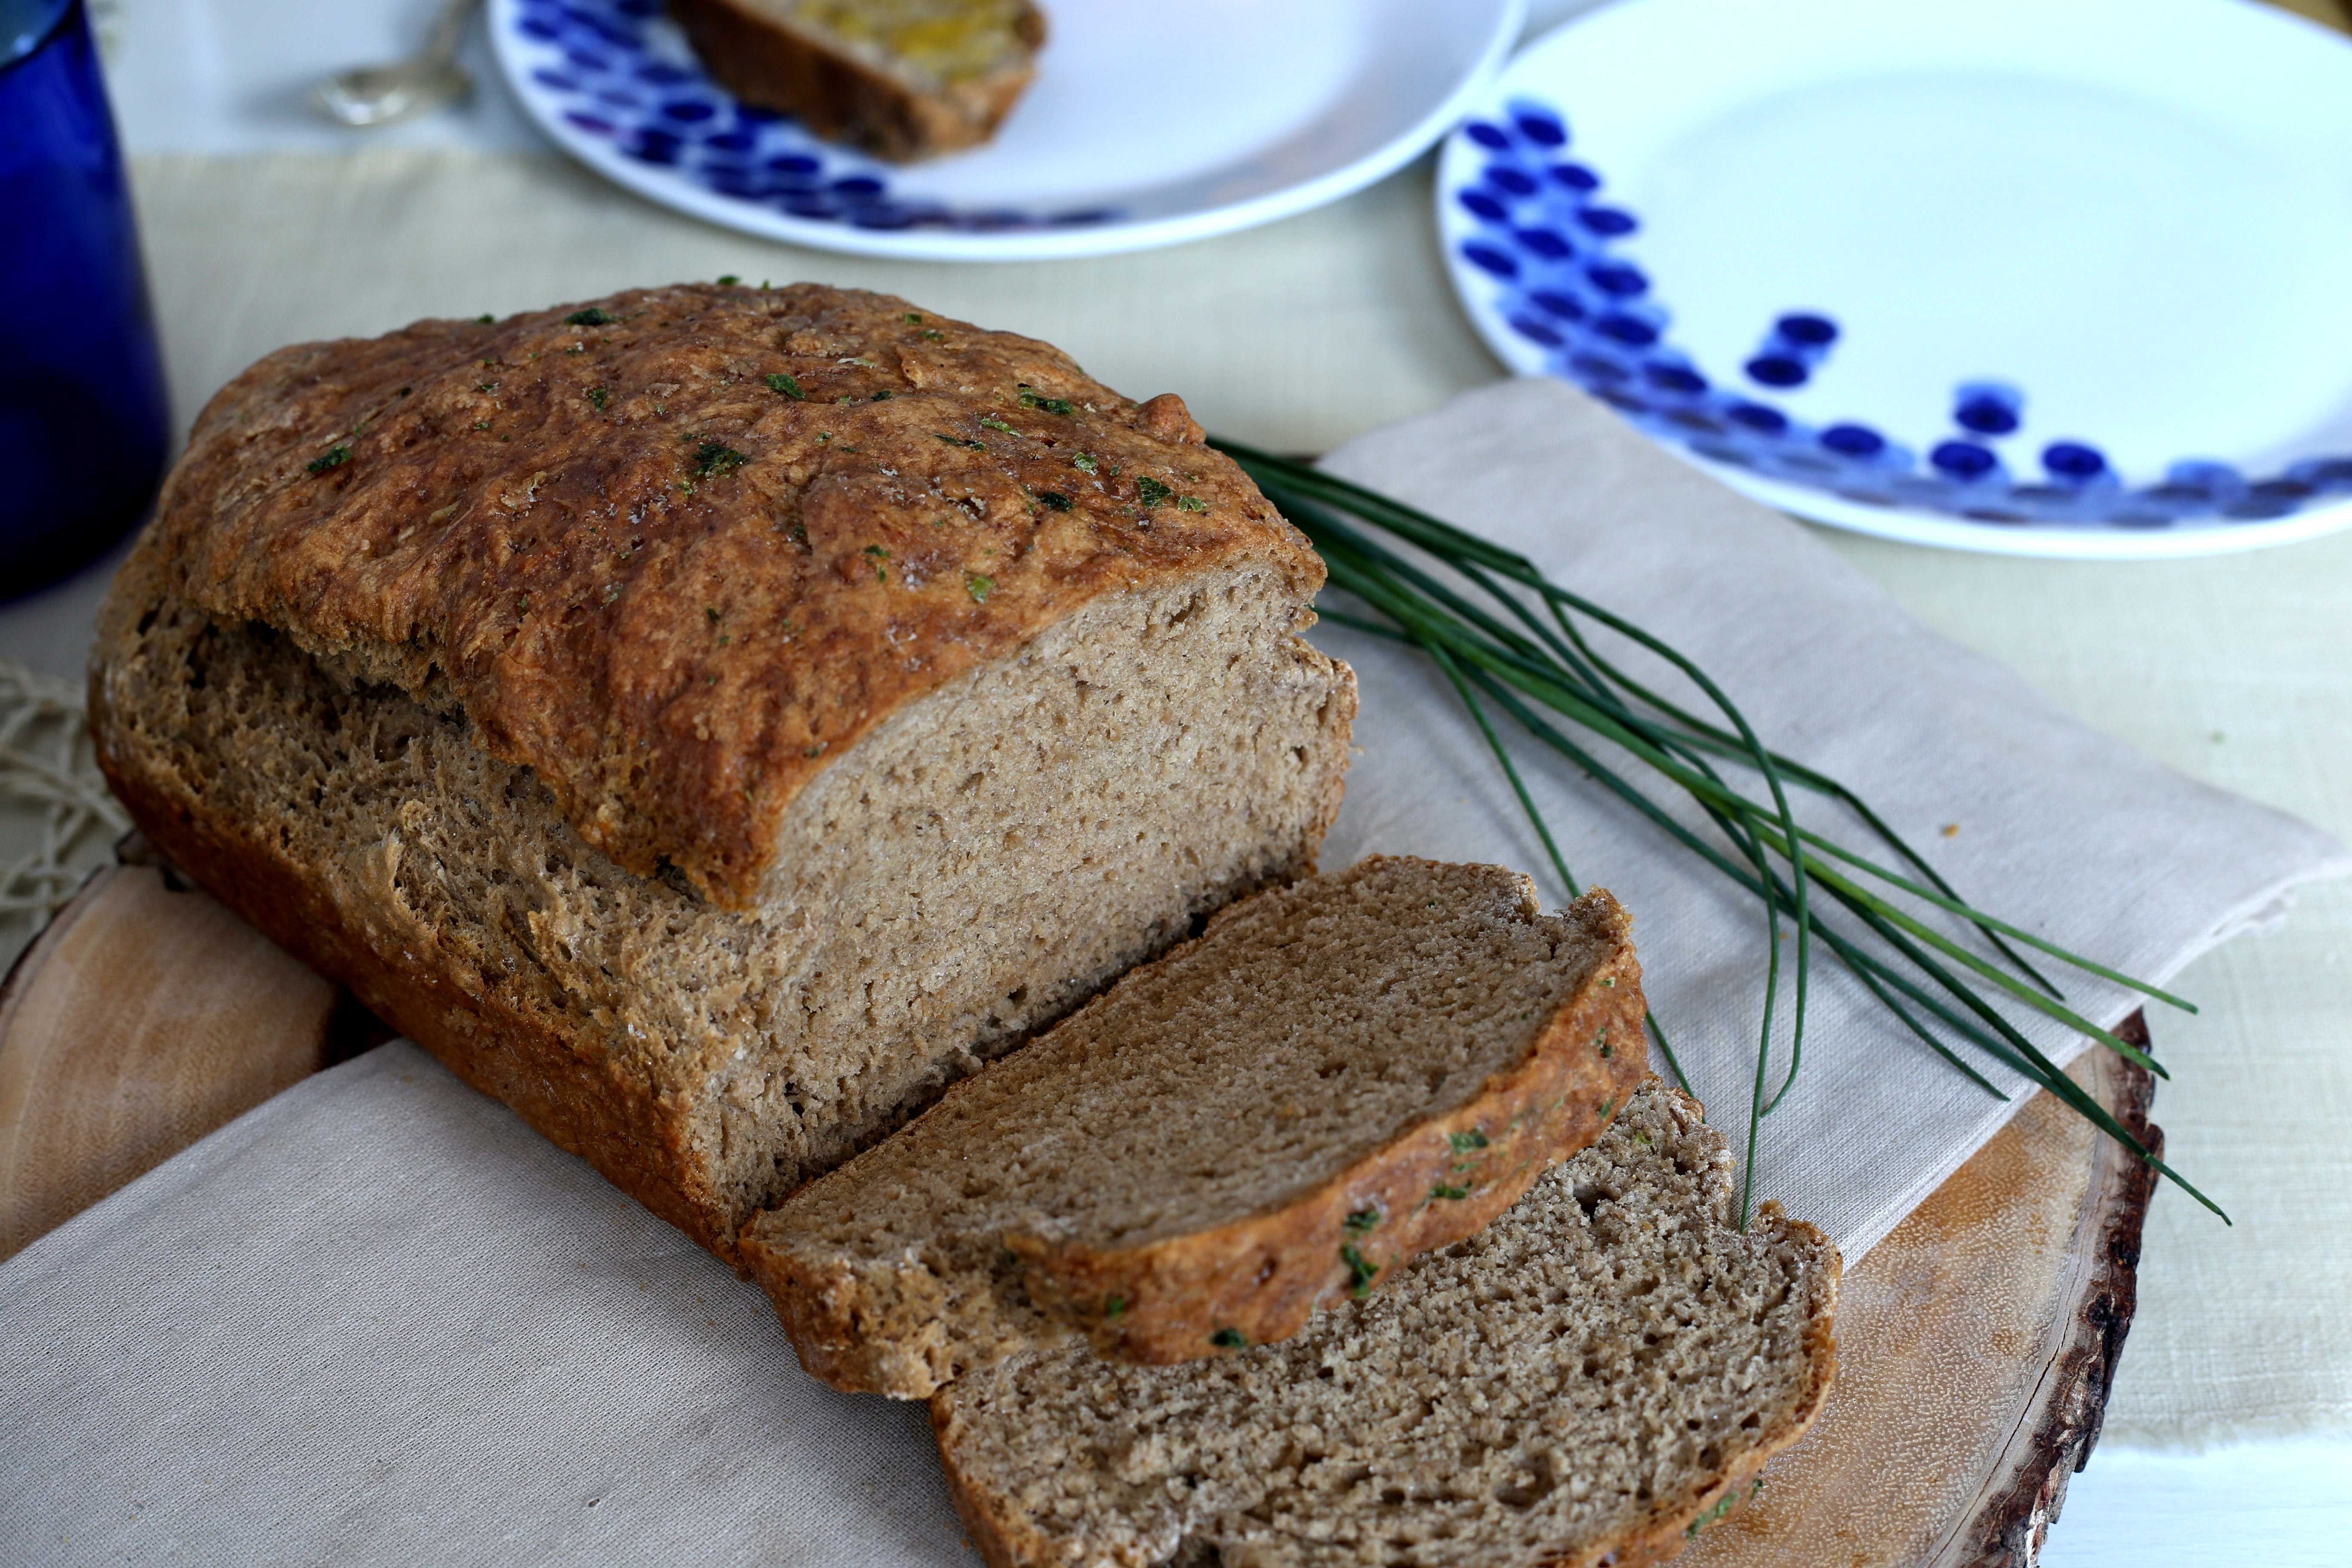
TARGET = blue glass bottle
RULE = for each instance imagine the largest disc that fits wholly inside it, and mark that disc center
(84, 424)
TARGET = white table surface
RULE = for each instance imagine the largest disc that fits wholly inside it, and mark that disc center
(221, 77)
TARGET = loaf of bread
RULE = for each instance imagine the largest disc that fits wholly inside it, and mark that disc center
(1339, 1076)
(903, 79)
(1590, 1381)
(713, 720)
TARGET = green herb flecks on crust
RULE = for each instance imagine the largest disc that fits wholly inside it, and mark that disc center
(713, 458)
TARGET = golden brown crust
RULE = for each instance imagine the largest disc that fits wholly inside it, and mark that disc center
(842, 99)
(670, 589)
(1261, 1277)
(825, 1312)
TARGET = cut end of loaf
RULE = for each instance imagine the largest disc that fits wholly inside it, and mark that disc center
(1338, 1076)
(990, 856)
(716, 718)
(1581, 1382)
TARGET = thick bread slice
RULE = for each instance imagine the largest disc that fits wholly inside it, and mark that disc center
(901, 78)
(715, 813)
(1338, 1076)
(1590, 1380)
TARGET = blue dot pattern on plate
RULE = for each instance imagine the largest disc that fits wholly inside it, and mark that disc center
(1991, 408)
(1546, 237)
(1793, 351)
(620, 72)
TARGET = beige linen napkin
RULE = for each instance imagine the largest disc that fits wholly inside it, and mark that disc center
(378, 1321)
(2036, 818)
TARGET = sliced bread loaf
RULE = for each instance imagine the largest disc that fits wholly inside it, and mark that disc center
(901, 78)
(1589, 1381)
(1336, 1076)
(713, 718)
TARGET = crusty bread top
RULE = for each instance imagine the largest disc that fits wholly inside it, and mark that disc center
(675, 549)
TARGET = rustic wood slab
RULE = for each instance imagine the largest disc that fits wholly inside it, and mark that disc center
(139, 1020)
(1976, 1343)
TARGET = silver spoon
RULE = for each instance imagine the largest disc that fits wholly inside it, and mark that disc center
(378, 95)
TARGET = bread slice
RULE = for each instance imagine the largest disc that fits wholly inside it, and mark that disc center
(1338, 1076)
(712, 719)
(1590, 1380)
(904, 79)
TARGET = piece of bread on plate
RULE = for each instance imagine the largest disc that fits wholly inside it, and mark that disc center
(903, 79)
(1338, 1076)
(713, 720)
(1592, 1380)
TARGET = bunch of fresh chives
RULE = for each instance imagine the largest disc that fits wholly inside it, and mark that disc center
(1508, 638)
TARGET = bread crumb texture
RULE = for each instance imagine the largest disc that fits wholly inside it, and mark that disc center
(673, 548)
(1339, 1075)
(1582, 1382)
(471, 726)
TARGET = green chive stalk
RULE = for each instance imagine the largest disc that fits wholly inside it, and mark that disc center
(1507, 637)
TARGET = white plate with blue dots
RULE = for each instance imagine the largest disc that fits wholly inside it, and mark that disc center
(1149, 123)
(2069, 280)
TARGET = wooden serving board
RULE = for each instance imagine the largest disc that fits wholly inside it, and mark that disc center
(1975, 1344)
(139, 1020)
